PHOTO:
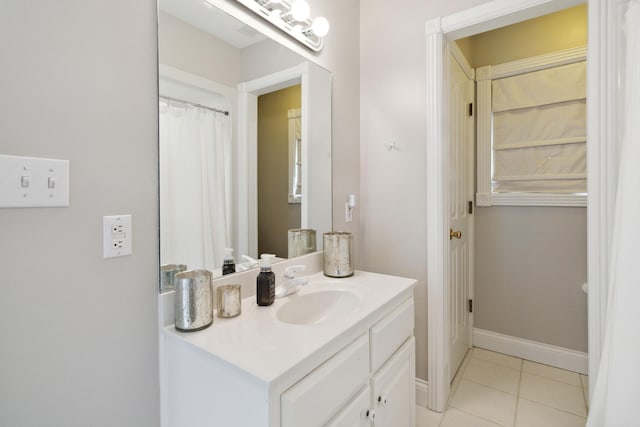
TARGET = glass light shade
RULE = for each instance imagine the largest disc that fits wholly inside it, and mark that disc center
(320, 26)
(300, 10)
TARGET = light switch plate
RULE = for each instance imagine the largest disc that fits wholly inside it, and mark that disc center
(30, 182)
(117, 236)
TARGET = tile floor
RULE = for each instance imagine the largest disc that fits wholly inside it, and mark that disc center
(493, 389)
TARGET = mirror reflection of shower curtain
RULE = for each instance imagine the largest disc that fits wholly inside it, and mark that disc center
(195, 185)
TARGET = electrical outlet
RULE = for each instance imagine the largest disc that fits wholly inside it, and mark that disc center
(117, 236)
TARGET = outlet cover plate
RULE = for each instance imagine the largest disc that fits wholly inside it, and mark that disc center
(117, 236)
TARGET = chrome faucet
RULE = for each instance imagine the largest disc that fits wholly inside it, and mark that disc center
(291, 283)
(249, 264)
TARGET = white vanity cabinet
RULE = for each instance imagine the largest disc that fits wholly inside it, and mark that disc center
(383, 358)
(353, 373)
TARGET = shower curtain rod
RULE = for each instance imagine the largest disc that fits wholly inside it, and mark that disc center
(168, 98)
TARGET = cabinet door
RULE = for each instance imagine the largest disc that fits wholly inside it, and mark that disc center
(357, 413)
(394, 390)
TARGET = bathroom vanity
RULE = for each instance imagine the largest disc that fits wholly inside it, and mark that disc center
(338, 352)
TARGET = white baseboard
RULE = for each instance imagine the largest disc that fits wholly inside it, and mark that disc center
(422, 392)
(547, 354)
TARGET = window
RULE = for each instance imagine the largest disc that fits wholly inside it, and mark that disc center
(532, 131)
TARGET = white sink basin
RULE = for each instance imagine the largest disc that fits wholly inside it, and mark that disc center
(318, 306)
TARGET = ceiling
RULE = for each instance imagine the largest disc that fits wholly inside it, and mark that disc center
(211, 20)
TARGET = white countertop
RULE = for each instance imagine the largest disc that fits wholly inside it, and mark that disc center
(261, 345)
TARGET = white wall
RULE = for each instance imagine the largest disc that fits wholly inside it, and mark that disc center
(187, 48)
(79, 332)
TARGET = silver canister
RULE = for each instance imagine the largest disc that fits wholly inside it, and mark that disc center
(167, 275)
(301, 241)
(193, 300)
(338, 254)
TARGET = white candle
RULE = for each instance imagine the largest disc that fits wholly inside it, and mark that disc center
(229, 302)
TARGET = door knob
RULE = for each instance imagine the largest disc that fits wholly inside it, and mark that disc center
(456, 234)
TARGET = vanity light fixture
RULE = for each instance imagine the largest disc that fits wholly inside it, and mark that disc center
(292, 17)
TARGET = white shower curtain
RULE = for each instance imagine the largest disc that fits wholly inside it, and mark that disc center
(615, 401)
(195, 185)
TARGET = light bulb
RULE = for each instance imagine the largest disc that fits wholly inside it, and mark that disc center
(300, 10)
(320, 26)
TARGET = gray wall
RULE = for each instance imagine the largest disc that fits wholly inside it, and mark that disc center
(530, 265)
(393, 207)
(79, 332)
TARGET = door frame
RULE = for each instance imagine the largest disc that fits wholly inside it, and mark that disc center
(602, 63)
(247, 151)
(315, 108)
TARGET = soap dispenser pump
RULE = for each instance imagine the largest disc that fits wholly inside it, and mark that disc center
(229, 265)
(266, 282)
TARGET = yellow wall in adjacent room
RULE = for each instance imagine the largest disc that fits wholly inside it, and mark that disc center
(557, 31)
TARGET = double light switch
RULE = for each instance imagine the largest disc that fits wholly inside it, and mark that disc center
(29, 182)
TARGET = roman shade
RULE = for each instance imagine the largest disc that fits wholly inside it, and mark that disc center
(539, 131)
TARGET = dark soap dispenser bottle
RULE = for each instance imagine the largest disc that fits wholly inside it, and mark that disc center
(229, 265)
(266, 282)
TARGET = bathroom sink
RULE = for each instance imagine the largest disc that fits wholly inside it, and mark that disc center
(318, 306)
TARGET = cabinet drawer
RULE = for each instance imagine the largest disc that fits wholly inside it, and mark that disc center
(389, 333)
(313, 399)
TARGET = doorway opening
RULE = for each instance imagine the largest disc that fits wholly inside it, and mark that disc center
(441, 32)
(530, 214)
(278, 206)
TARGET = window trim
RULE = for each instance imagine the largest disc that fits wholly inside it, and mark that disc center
(484, 195)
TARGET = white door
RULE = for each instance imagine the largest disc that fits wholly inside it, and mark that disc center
(461, 191)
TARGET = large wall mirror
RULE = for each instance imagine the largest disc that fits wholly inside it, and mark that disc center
(245, 140)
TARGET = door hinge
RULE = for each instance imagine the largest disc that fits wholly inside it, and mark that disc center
(470, 209)
(471, 108)
(470, 305)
